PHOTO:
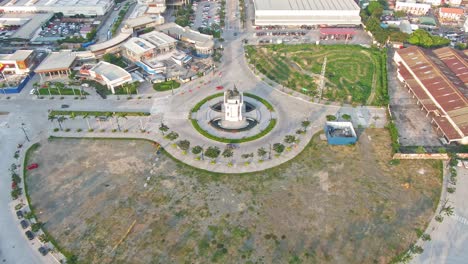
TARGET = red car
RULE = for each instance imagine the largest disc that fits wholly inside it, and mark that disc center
(33, 166)
(219, 87)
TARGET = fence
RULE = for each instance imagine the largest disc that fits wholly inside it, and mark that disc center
(20, 86)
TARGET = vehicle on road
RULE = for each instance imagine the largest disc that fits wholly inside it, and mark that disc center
(219, 87)
(19, 214)
(29, 234)
(24, 223)
(64, 106)
(32, 92)
(43, 250)
(33, 166)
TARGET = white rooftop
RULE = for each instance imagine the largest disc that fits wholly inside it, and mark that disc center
(158, 38)
(138, 45)
(110, 71)
(187, 34)
(38, 3)
(18, 55)
(121, 37)
(305, 5)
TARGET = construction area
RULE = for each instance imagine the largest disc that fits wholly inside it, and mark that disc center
(125, 201)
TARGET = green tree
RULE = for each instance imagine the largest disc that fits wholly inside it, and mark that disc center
(184, 145)
(212, 152)
(163, 128)
(261, 152)
(305, 124)
(399, 13)
(227, 153)
(278, 148)
(197, 150)
(290, 139)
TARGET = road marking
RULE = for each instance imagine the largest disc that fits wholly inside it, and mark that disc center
(460, 219)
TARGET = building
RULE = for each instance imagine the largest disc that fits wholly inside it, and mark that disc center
(142, 22)
(109, 74)
(162, 42)
(307, 12)
(67, 7)
(433, 2)
(438, 80)
(465, 26)
(137, 49)
(340, 133)
(19, 62)
(450, 14)
(110, 46)
(154, 6)
(29, 24)
(56, 64)
(177, 3)
(413, 8)
(203, 44)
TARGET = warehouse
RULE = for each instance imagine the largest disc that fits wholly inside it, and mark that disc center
(67, 7)
(438, 80)
(307, 12)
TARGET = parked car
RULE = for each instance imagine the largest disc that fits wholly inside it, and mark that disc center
(65, 106)
(32, 92)
(29, 235)
(19, 214)
(43, 250)
(24, 223)
(33, 166)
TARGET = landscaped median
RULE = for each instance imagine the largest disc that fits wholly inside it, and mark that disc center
(96, 113)
(166, 86)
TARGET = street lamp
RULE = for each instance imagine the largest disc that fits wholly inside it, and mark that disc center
(269, 152)
(24, 131)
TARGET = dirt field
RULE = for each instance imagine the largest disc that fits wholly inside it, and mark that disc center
(329, 205)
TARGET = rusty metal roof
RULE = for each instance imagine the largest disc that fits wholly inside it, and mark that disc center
(431, 73)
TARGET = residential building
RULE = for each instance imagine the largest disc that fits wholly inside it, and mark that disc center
(413, 8)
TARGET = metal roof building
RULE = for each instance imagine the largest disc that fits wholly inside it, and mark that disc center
(67, 7)
(438, 79)
(307, 12)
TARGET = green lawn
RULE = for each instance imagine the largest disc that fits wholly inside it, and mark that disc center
(65, 91)
(166, 86)
(354, 74)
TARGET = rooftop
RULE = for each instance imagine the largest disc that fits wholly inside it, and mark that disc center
(18, 55)
(141, 20)
(340, 129)
(305, 5)
(57, 3)
(55, 61)
(186, 33)
(121, 37)
(158, 38)
(433, 75)
(109, 71)
(138, 45)
(29, 22)
(451, 10)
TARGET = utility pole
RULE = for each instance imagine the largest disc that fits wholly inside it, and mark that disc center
(322, 78)
(24, 131)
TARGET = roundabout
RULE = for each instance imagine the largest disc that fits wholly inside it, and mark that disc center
(233, 117)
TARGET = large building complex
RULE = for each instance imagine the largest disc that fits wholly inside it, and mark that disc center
(109, 74)
(307, 12)
(203, 44)
(438, 80)
(67, 7)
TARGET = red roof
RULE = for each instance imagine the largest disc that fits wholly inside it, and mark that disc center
(451, 10)
(337, 31)
(435, 82)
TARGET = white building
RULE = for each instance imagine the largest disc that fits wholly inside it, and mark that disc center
(137, 49)
(162, 42)
(202, 43)
(109, 74)
(433, 2)
(307, 12)
(67, 7)
(450, 14)
(412, 8)
(465, 26)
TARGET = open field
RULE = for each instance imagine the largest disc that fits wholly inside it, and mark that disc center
(354, 74)
(331, 204)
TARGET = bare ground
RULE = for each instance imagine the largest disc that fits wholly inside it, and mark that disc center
(342, 204)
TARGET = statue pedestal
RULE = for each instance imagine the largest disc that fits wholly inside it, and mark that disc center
(234, 124)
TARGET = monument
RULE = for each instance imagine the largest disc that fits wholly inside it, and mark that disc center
(233, 105)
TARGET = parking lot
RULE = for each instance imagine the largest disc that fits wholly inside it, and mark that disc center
(206, 14)
(57, 28)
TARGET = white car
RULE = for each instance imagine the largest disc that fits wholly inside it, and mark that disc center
(33, 91)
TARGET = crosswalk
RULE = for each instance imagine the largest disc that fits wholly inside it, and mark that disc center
(460, 219)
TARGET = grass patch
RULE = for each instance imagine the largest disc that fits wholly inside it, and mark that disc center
(66, 91)
(95, 113)
(200, 130)
(263, 101)
(202, 102)
(166, 86)
(354, 74)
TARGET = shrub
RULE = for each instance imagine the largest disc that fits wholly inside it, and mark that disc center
(278, 148)
(67, 130)
(197, 150)
(426, 237)
(90, 130)
(172, 136)
(79, 130)
(114, 130)
(346, 117)
(451, 189)
(36, 226)
(439, 218)
(212, 152)
(184, 145)
(125, 130)
(331, 118)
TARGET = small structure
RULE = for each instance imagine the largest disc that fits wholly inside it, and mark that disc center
(109, 74)
(233, 105)
(19, 62)
(58, 64)
(340, 133)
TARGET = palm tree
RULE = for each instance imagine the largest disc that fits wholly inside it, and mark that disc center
(48, 89)
(120, 115)
(99, 121)
(86, 117)
(52, 117)
(163, 128)
(227, 153)
(59, 86)
(36, 86)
